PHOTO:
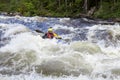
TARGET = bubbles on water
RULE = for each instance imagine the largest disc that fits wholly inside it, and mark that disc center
(27, 56)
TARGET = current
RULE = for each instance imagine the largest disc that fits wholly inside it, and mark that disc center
(89, 49)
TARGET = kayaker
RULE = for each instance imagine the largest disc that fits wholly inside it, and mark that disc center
(50, 34)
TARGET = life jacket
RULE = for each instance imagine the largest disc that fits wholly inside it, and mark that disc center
(50, 35)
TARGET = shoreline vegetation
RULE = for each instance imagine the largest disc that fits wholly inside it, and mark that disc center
(85, 19)
(93, 9)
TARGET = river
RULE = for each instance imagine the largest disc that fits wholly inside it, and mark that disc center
(88, 50)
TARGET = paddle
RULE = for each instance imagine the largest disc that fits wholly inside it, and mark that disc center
(41, 33)
(38, 32)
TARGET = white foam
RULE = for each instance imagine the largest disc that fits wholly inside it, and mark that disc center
(14, 29)
(86, 60)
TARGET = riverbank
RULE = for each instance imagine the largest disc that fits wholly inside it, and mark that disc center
(85, 18)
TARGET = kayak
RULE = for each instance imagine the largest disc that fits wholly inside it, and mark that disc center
(41, 33)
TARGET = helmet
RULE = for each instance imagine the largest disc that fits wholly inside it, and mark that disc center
(50, 30)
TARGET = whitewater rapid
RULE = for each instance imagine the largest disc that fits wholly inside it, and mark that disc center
(91, 52)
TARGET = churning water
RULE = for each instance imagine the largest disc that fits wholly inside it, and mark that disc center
(88, 51)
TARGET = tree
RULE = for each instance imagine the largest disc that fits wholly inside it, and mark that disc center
(86, 5)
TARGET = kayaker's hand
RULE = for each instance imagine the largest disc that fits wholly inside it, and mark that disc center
(59, 38)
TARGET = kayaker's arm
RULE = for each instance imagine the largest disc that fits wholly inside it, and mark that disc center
(57, 36)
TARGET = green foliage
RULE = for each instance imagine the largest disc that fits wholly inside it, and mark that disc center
(62, 8)
(104, 11)
(26, 8)
(108, 10)
(42, 7)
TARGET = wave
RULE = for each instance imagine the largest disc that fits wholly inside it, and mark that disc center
(23, 52)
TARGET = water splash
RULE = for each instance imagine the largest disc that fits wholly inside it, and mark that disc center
(22, 51)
